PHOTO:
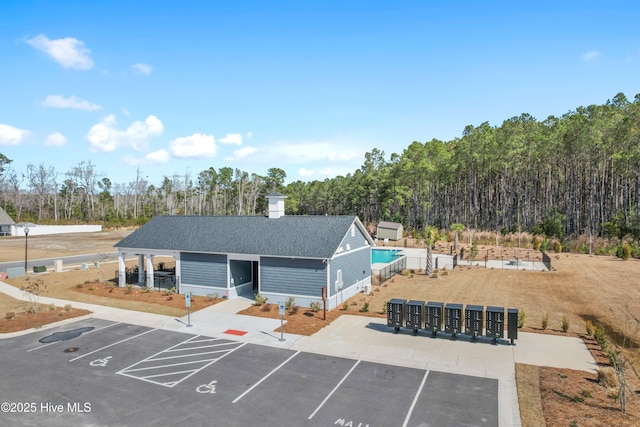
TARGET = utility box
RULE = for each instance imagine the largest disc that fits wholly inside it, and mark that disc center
(473, 320)
(395, 313)
(512, 324)
(495, 323)
(413, 315)
(39, 269)
(453, 319)
(433, 316)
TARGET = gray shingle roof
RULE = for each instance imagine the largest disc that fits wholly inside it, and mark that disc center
(5, 219)
(289, 236)
(390, 225)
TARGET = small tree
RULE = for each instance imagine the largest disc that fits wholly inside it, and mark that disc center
(456, 228)
(545, 321)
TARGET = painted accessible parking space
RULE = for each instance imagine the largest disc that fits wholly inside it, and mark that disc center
(127, 375)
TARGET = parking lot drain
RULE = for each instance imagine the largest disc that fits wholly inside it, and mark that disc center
(65, 335)
(71, 349)
(235, 332)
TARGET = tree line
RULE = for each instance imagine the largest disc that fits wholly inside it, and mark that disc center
(569, 175)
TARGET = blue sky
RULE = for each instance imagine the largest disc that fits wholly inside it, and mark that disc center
(307, 86)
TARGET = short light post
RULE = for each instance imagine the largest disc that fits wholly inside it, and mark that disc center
(26, 245)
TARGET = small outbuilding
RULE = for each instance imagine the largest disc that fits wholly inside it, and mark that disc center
(389, 230)
(277, 256)
(6, 223)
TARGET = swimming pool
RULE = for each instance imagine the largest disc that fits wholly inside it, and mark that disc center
(384, 256)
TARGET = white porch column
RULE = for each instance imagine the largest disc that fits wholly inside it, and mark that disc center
(140, 269)
(149, 271)
(122, 278)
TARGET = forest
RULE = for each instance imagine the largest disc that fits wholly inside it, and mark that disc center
(578, 174)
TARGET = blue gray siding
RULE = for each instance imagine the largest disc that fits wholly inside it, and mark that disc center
(355, 242)
(203, 269)
(240, 271)
(355, 266)
(292, 276)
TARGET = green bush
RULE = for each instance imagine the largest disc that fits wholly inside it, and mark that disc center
(345, 306)
(624, 251)
(315, 306)
(365, 307)
(565, 323)
(543, 245)
(599, 334)
(545, 321)
(522, 318)
(260, 300)
(557, 246)
(589, 327)
(289, 303)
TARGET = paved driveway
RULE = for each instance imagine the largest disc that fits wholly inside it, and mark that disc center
(109, 373)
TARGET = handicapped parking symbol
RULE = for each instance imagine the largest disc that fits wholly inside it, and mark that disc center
(207, 388)
(100, 362)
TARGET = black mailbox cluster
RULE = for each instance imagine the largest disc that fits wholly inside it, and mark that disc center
(435, 317)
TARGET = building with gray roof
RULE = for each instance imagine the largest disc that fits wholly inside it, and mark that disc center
(276, 256)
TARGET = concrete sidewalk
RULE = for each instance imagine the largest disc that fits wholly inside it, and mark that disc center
(364, 338)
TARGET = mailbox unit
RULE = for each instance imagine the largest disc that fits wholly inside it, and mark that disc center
(495, 323)
(395, 313)
(473, 316)
(512, 323)
(453, 319)
(413, 315)
(433, 317)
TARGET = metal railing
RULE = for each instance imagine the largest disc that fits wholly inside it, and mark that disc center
(390, 270)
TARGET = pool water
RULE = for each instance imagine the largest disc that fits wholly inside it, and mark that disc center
(384, 256)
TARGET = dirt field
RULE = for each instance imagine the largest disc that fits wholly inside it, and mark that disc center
(582, 287)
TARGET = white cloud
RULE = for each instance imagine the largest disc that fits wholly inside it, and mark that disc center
(141, 68)
(126, 112)
(300, 153)
(55, 140)
(160, 156)
(105, 136)
(196, 145)
(10, 135)
(591, 56)
(305, 172)
(232, 138)
(68, 52)
(249, 135)
(242, 153)
(59, 101)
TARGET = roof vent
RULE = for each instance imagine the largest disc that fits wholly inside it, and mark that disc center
(276, 205)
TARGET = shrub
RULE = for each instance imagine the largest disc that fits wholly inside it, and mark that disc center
(624, 251)
(607, 377)
(79, 286)
(315, 306)
(345, 306)
(557, 246)
(565, 324)
(522, 318)
(384, 307)
(129, 288)
(90, 288)
(260, 300)
(145, 290)
(599, 335)
(9, 315)
(543, 245)
(545, 321)
(589, 327)
(212, 296)
(365, 307)
(289, 303)
(169, 292)
(67, 307)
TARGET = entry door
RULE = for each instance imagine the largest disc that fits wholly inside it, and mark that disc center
(254, 276)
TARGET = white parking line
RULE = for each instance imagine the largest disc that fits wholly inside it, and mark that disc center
(265, 377)
(111, 345)
(56, 342)
(415, 399)
(334, 390)
(148, 369)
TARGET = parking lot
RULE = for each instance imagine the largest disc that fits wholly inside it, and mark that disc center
(109, 373)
